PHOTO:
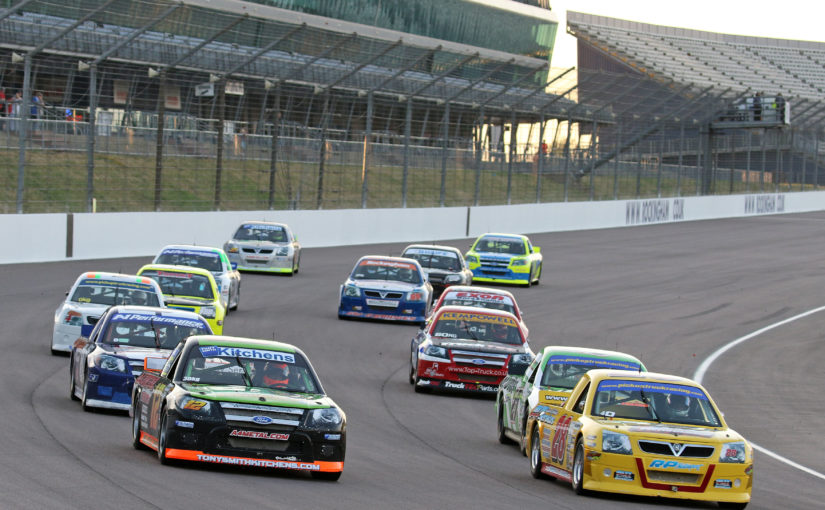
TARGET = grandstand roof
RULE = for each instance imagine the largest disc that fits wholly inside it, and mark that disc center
(794, 68)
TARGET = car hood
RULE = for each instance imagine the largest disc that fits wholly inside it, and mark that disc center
(471, 345)
(136, 353)
(180, 300)
(497, 256)
(669, 431)
(85, 308)
(432, 270)
(258, 396)
(384, 285)
(257, 244)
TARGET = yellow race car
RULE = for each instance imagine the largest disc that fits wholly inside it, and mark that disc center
(644, 434)
(189, 288)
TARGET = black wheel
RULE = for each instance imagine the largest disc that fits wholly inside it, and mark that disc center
(136, 426)
(323, 475)
(237, 297)
(530, 278)
(523, 443)
(86, 407)
(535, 453)
(732, 505)
(502, 437)
(162, 438)
(412, 370)
(577, 477)
(295, 270)
(538, 276)
(71, 383)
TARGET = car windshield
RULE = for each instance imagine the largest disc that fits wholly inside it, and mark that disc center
(204, 260)
(508, 245)
(270, 233)
(250, 367)
(480, 300)
(103, 294)
(185, 284)
(464, 326)
(386, 270)
(654, 401)
(434, 259)
(564, 371)
(149, 330)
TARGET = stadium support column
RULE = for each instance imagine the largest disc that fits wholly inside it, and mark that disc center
(221, 100)
(273, 152)
(616, 162)
(816, 161)
(367, 147)
(406, 169)
(540, 160)
(90, 141)
(445, 146)
(159, 138)
(707, 160)
(511, 155)
(479, 151)
(567, 154)
(322, 152)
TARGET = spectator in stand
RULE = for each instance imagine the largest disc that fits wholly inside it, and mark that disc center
(2, 108)
(36, 110)
(757, 107)
(16, 107)
(779, 106)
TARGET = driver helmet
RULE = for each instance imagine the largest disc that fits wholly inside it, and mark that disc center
(557, 369)
(500, 331)
(140, 298)
(679, 404)
(276, 374)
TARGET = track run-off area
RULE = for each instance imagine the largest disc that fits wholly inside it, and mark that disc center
(735, 303)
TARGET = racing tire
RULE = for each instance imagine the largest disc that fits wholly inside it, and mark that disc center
(237, 298)
(523, 442)
(412, 370)
(530, 279)
(136, 427)
(163, 435)
(535, 454)
(538, 276)
(325, 475)
(502, 437)
(577, 476)
(732, 505)
(295, 271)
(86, 407)
(71, 383)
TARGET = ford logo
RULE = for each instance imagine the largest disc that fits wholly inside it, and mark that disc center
(262, 420)
(478, 362)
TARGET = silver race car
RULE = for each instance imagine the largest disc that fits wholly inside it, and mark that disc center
(264, 246)
(213, 260)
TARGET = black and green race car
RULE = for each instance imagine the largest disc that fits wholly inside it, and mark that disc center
(239, 401)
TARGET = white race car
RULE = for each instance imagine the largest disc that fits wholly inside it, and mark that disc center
(92, 293)
(214, 260)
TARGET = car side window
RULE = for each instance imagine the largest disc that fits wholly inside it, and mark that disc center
(580, 403)
(532, 370)
(172, 362)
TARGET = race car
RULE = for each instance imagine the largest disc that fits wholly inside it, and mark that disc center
(644, 434)
(386, 288)
(481, 297)
(548, 380)
(264, 246)
(215, 260)
(505, 258)
(90, 295)
(242, 402)
(103, 367)
(189, 288)
(444, 265)
(466, 348)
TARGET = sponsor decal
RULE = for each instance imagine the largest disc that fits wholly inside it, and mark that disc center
(478, 317)
(764, 204)
(423, 251)
(450, 384)
(594, 456)
(478, 371)
(722, 484)
(156, 319)
(174, 274)
(202, 253)
(195, 405)
(433, 371)
(664, 429)
(626, 476)
(240, 352)
(185, 424)
(277, 228)
(594, 362)
(388, 263)
(253, 434)
(262, 420)
(486, 387)
(652, 387)
(332, 437)
(189, 378)
(672, 464)
(287, 457)
(446, 335)
(95, 282)
(481, 296)
(556, 398)
(240, 461)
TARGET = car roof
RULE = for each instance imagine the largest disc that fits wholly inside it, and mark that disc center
(177, 269)
(551, 350)
(118, 277)
(502, 234)
(482, 290)
(433, 247)
(476, 311)
(164, 312)
(261, 222)
(190, 247)
(601, 374)
(389, 259)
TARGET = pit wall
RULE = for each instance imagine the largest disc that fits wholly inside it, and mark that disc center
(58, 237)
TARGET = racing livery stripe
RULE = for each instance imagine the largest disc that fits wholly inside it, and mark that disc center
(194, 455)
(647, 484)
(149, 440)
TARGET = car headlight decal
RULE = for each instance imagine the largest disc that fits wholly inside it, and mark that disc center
(436, 352)
(327, 418)
(416, 295)
(191, 407)
(352, 291)
(733, 453)
(208, 312)
(112, 363)
(616, 442)
(283, 252)
(473, 259)
(522, 358)
(518, 262)
(452, 278)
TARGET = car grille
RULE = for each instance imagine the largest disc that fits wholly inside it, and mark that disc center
(671, 477)
(262, 251)
(436, 278)
(698, 451)
(494, 264)
(386, 295)
(471, 359)
(281, 419)
(295, 447)
(257, 262)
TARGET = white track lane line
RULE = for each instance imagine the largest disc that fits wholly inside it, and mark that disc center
(703, 368)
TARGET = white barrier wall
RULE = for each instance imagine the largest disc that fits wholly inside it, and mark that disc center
(44, 237)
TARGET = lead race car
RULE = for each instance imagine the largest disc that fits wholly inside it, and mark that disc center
(103, 367)
(239, 401)
(644, 434)
(214, 260)
(264, 246)
(548, 381)
(505, 258)
(467, 348)
(444, 265)
(386, 288)
(90, 295)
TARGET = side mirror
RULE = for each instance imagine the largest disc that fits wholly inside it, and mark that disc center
(234, 265)
(154, 365)
(536, 249)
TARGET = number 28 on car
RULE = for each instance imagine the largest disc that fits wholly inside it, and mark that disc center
(642, 433)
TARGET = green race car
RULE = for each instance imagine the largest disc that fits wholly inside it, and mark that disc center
(504, 258)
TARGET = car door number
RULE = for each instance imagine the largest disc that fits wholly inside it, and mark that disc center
(560, 439)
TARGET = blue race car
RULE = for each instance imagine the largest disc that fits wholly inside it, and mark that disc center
(103, 367)
(387, 288)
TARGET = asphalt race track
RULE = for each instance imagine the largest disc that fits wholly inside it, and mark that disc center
(670, 294)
